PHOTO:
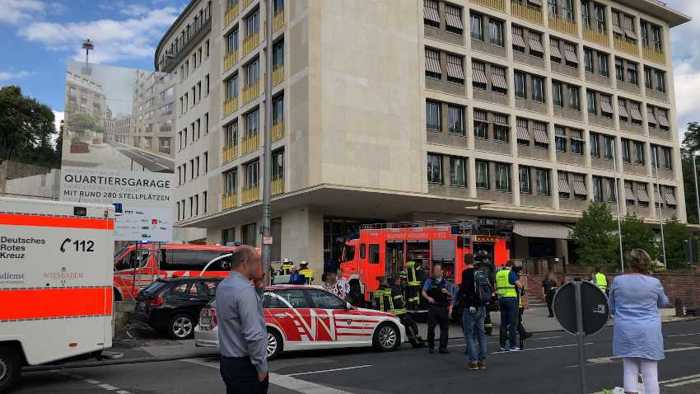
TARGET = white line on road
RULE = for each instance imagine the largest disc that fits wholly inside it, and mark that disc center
(330, 370)
(546, 338)
(285, 381)
(106, 386)
(611, 359)
(682, 383)
(682, 335)
(543, 348)
(679, 379)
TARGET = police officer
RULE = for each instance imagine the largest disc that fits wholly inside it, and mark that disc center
(600, 280)
(306, 272)
(436, 291)
(286, 267)
(507, 285)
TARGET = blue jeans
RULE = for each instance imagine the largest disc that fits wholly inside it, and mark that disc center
(474, 334)
(509, 321)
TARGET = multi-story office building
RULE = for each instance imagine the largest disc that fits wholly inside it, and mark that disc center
(153, 113)
(117, 128)
(85, 96)
(432, 109)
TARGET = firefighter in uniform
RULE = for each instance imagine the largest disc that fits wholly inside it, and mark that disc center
(414, 278)
(306, 272)
(600, 280)
(286, 267)
(399, 304)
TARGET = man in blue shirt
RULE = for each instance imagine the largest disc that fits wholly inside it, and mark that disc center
(242, 331)
(436, 291)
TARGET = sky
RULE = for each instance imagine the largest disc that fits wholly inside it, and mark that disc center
(41, 37)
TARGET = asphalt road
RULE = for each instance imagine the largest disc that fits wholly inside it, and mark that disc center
(547, 365)
(151, 162)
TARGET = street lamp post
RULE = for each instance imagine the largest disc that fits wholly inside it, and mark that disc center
(659, 212)
(617, 199)
(88, 46)
(695, 179)
(266, 251)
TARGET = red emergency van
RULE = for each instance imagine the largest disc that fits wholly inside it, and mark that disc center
(138, 265)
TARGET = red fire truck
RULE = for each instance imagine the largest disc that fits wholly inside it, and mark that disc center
(383, 250)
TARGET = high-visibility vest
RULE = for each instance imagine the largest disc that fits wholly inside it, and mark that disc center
(307, 273)
(412, 278)
(383, 300)
(287, 268)
(503, 286)
(601, 281)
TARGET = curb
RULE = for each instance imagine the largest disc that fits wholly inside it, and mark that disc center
(92, 364)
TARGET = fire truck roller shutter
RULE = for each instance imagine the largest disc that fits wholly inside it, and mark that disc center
(443, 251)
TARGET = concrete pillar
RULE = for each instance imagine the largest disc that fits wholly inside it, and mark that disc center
(302, 238)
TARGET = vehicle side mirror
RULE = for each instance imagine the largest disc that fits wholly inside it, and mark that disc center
(349, 306)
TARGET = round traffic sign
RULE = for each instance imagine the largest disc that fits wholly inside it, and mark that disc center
(594, 307)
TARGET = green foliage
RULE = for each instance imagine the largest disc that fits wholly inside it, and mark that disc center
(26, 129)
(638, 235)
(676, 235)
(691, 144)
(80, 123)
(594, 236)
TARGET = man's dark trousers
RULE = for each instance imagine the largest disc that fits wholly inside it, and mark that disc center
(438, 316)
(241, 377)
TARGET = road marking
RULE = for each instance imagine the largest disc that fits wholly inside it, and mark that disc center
(682, 383)
(679, 379)
(546, 338)
(330, 370)
(611, 359)
(682, 335)
(106, 386)
(286, 381)
(543, 348)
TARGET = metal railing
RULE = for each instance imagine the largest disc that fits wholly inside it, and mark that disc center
(528, 13)
(230, 106)
(498, 5)
(625, 46)
(230, 15)
(250, 43)
(230, 60)
(277, 131)
(595, 36)
(251, 92)
(249, 144)
(278, 186)
(278, 21)
(654, 55)
(278, 75)
(229, 152)
(229, 200)
(250, 194)
(563, 25)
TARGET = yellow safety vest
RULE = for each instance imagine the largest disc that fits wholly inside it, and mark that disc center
(411, 276)
(307, 273)
(287, 268)
(601, 281)
(503, 286)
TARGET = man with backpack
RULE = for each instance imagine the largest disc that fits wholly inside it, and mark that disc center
(474, 295)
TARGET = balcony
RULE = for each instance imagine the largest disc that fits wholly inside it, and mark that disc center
(530, 14)
(563, 25)
(246, 3)
(277, 186)
(654, 55)
(230, 15)
(249, 144)
(498, 5)
(250, 43)
(229, 201)
(229, 153)
(277, 131)
(251, 92)
(595, 37)
(230, 105)
(625, 46)
(250, 194)
(278, 75)
(230, 60)
(278, 21)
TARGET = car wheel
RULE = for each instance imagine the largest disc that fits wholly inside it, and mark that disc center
(181, 326)
(10, 367)
(387, 337)
(274, 343)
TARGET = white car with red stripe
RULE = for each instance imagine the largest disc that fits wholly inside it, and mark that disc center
(309, 317)
(55, 282)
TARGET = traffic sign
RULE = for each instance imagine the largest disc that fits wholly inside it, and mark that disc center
(582, 309)
(594, 307)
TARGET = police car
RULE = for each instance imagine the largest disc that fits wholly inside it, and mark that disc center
(308, 318)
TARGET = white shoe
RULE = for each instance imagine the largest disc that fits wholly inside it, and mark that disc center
(515, 349)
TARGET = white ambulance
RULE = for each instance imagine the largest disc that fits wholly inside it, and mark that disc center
(56, 262)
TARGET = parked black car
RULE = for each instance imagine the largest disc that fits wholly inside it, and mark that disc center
(172, 306)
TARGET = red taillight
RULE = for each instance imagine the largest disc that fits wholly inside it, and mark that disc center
(156, 301)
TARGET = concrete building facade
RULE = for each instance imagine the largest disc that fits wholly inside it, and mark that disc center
(432, 109)
(153, 113)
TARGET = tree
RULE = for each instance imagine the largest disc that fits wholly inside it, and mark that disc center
(676, 235)
(26, 129)
(691, 144)
(638, 235)
(595, 238)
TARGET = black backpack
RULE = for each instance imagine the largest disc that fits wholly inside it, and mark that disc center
(483, 288)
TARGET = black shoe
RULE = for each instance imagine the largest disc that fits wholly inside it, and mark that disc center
(528, 335)
(431, 350)
(444, 351)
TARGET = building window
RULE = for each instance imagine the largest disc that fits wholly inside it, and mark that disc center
(431, 13)
(251, 174)
(432, 64)
(455, 69)
(496, 32)
(525, 185)
(574, 97)
(278, 164)
(595, 145)
(520, 84)
(501, 129)
(252, 72)
(278, 110)
(619, 70)
(576, 141)
(608, 148)
(560, 138)
(477, 26)
(538, 89)
(603, 66)
(482, 174)
(232, 41)
(251, 123)
(458, 171)
(231, 86)
(455, 119)
(660, 81)
(542, 181)
(592, 102)
(453, 19)
(588, 60)
(632, 75)
(639, 152)
(503, 177)
(481, 126)
(434, 168)
(432, 115)
(626, 157)
(230, 181)
(252, 23)
(558, 93)
(278, 54)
